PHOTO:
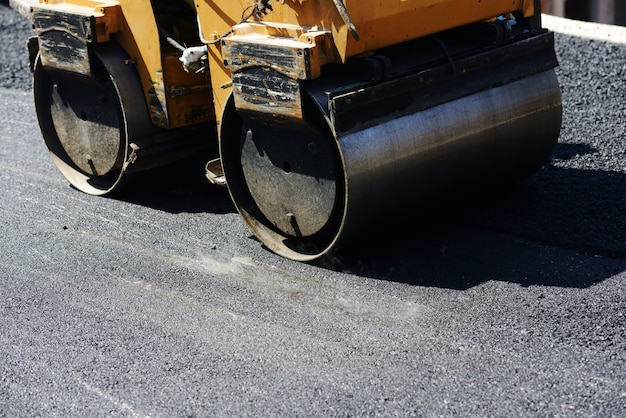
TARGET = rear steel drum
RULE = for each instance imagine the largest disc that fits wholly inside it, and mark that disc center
(89, 122)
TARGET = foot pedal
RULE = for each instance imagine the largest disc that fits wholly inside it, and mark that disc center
(215, 173)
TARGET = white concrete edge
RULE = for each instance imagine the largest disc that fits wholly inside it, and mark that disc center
(588, 30)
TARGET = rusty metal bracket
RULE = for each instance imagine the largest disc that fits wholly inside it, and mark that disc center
(65, 32)
(294, 51)
(269, 62)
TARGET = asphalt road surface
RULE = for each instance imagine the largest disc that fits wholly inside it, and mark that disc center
(158, 302)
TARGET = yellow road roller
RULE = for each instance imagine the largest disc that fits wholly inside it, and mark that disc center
(326, 116)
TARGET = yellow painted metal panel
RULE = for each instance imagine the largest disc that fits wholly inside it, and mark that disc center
(379, 23)
(140, 39)
(174, 98)
(188, 94)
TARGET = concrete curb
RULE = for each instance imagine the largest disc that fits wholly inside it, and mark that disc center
(588, 30)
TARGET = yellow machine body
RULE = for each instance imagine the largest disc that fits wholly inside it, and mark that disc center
(379, 23)
(178, 98)
(175, 98)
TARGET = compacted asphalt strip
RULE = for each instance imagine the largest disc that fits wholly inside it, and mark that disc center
(158, 302)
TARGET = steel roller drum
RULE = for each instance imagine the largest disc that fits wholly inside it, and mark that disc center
(367, 177)
(88, 123)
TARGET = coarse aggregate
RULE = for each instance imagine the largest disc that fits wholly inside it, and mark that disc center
(14, 31)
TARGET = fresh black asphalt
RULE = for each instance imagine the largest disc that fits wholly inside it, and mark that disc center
(158, 302)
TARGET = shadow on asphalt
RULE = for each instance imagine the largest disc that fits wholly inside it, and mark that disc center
(559, 227)
(459, 255)
(177, 188)
(556, 228)
(568, 207)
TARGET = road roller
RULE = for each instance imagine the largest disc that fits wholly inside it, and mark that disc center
(322, 117)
